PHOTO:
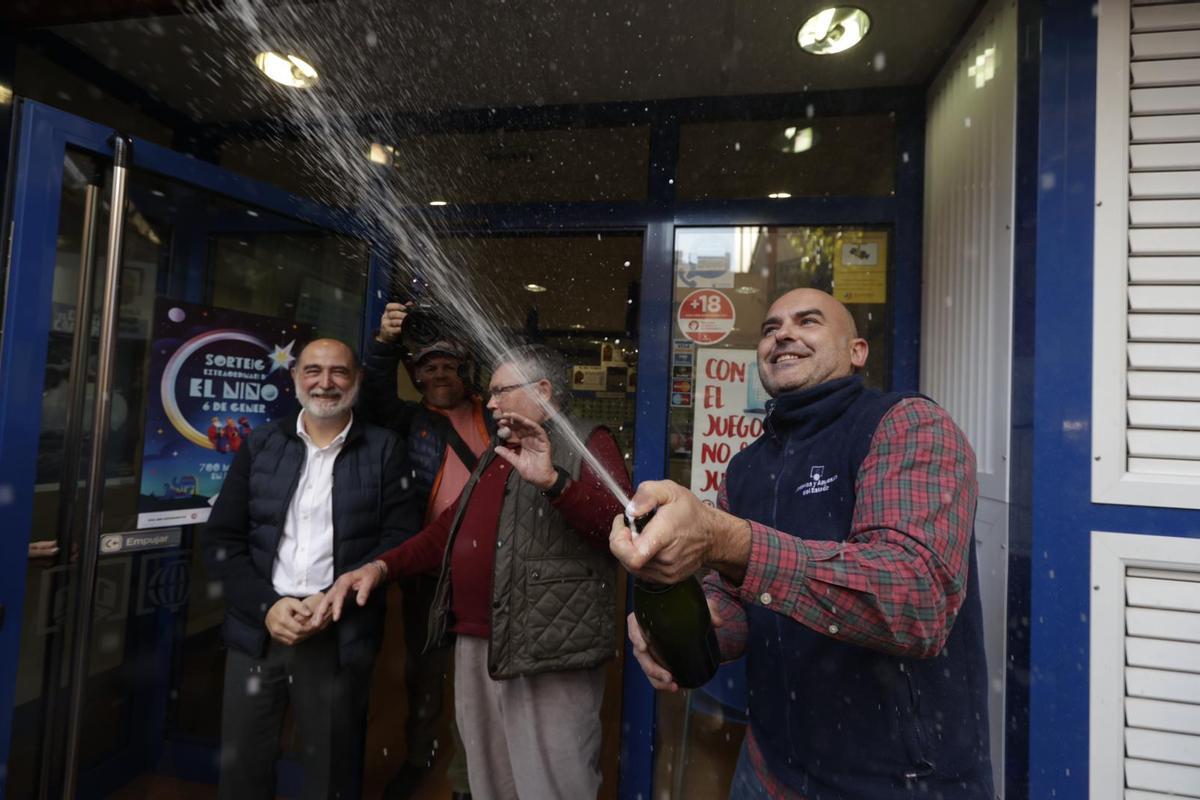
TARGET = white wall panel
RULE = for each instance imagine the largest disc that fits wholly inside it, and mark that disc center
(966, 318)
(966, 303)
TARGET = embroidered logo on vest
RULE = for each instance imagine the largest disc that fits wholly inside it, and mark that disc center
(817, 482)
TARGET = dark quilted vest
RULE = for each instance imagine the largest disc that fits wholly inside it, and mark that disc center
(835, 720)
(277, 456)
(553, 593)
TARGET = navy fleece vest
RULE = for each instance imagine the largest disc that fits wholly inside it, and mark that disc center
(837, 720)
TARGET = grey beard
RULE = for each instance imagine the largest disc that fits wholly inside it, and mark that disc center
(311, 407)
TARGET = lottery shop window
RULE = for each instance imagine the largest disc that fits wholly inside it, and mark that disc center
(725, 280)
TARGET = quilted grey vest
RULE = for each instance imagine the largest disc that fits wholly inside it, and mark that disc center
(553, 593)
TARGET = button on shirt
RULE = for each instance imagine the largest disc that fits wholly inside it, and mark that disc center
(304, 563)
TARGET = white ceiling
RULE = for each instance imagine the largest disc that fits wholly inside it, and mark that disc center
(418, 56)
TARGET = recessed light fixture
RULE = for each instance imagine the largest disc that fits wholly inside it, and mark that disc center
(833, 30)
(286, 68)
(779, 195)
(381, 153)
(534, 287)
(578, 326)
(437, 202)
(797, 140)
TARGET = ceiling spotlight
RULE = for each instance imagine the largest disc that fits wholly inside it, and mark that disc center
(833, 30)
(437, 202)
(534, 287)
(779, 195)
(287, 69)
(381, 154)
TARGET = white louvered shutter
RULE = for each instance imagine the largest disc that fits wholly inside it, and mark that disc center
(1162, 683)
(1146, 415)
(1144, 671)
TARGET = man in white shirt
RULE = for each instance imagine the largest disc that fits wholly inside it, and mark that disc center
(306, 499)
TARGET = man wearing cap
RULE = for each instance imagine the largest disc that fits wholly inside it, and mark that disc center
(445, 435)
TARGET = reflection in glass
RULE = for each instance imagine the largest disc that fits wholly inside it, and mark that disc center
(807, 157)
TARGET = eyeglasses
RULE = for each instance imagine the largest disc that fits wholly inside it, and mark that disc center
(500, 391)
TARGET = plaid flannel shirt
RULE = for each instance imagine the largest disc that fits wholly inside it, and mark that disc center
(897, 580)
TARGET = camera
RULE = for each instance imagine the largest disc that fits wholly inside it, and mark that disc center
(422, 327)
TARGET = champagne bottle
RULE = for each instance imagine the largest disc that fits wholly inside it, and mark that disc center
(675, 621)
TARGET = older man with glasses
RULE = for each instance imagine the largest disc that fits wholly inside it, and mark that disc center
(527, 584)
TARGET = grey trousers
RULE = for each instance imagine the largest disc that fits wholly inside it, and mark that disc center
(329, 702)
(532, 738)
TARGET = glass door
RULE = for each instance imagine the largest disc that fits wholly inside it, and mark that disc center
(200, 247)
(725, 280)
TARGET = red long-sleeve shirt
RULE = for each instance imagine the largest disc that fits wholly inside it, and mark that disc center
(587, 506)
(898, 579)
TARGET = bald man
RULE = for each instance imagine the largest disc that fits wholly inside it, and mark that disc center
(307, 498)
(841, 563)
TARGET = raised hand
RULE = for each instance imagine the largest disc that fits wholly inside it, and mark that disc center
(532, 460)
(392, 321)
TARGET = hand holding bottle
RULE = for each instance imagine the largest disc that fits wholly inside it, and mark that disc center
(658, 675)
(684, 536)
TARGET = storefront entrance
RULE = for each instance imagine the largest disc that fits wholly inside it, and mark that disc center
(151, 672)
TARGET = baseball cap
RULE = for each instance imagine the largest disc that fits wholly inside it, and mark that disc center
(442, 347)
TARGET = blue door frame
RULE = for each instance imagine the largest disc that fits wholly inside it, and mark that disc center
(45, 133)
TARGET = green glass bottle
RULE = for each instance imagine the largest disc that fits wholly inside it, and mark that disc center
(678, 628)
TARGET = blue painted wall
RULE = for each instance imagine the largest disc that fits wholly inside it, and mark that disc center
(1056, 376)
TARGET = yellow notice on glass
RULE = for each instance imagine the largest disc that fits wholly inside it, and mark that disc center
(860, 267)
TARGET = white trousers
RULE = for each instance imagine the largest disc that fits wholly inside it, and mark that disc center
(532, 738)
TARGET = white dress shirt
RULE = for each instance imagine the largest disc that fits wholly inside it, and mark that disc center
(304, 563)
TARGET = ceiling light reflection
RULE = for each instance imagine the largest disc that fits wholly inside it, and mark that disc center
(833, 30)
(286, 68)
